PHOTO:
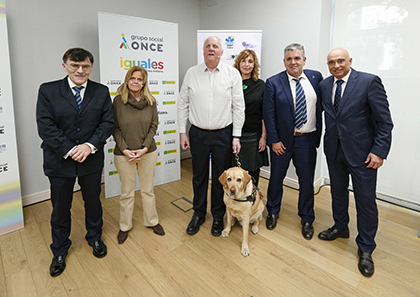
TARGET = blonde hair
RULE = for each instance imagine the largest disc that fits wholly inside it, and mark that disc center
(123, 90)
(245, 54)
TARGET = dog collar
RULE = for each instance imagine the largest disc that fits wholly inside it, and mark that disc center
(252, 197)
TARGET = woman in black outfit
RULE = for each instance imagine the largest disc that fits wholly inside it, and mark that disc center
(253, 154)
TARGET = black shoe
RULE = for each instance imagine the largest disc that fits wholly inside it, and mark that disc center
(194, 225)
(331, 234)
(307, 230)
(58, 265)
(99, 248)
(217, 227)
(366, 266)
(271, 221)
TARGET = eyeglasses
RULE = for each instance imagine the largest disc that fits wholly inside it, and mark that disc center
(75, 67)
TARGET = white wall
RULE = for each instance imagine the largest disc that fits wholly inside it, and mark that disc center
(382, 38)
(282, 23)
(41, 31)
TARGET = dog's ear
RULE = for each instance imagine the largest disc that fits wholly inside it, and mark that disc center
(247, 178)
(223, 179)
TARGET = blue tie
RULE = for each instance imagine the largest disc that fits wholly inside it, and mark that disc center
(337, 96)
(77, 95)
(300, 113)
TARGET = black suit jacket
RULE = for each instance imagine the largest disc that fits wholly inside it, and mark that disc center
(279, 109)
(62, 125)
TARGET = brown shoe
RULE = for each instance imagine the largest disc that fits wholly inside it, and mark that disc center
(122, 236)
(158, 229)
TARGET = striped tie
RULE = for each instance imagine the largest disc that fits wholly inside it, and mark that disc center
(300, 113)
(77, 95)
(337, 96)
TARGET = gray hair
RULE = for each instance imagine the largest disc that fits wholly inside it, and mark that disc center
(294, 46)
(214, 36)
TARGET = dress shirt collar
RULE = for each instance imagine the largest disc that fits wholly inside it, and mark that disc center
(72, 84)
(218, 67)
(345, 79)
(291, 78)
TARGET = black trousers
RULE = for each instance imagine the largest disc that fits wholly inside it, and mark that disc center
(218, 143)
(364, 187)
(62, 197)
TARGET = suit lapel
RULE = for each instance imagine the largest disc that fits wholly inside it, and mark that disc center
(351, 83)
(311, 80)
(284, 80)
(327, 96)
(67, 93)
(89, 94)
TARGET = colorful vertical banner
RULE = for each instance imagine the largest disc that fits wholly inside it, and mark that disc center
(11, 214)
(124, 42)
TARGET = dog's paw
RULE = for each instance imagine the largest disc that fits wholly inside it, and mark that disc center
(255, 229)
(225, 233)
(245, 251)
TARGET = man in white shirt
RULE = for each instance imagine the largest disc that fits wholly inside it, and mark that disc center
(211, 98)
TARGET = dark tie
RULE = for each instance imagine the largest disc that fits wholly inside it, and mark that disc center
(77, 95)
(300, 113)
(337, 97)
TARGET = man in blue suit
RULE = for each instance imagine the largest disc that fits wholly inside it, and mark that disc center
(74, 117)
(292, 117)
(356, 142)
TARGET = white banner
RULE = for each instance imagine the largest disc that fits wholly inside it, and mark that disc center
(124, 42)
(11, 215)
(233, 42)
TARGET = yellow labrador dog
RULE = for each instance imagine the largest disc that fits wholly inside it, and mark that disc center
(243, 202)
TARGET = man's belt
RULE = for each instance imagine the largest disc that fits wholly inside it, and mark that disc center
(302, 134)
(211, 130)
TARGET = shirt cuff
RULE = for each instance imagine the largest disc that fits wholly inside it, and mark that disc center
(237, 132)
(92, 147)
(68, 153)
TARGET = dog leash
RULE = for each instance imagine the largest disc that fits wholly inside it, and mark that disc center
(255, 189)
(237, 160)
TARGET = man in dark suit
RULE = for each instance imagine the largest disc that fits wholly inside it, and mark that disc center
(74, 117)
(357, 140)
(292, 117)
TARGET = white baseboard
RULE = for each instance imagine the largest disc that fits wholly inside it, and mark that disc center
(36, 197)
(185, 154)
(292, 183)
(45, 195)
(390, 199)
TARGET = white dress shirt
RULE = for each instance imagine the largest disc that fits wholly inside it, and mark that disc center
(343, 85)
(82, 94)
(212, 100)
(72, 85)
(311, 99)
